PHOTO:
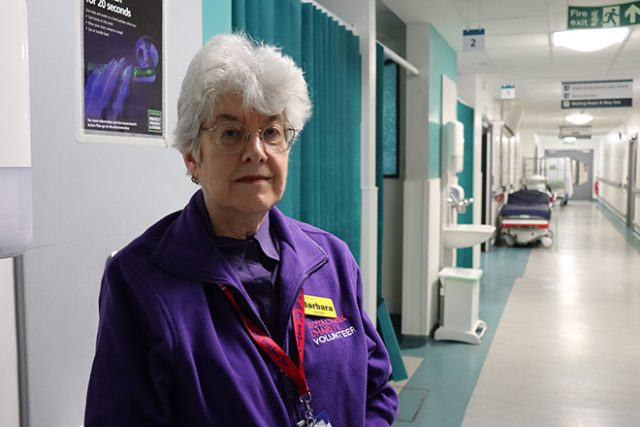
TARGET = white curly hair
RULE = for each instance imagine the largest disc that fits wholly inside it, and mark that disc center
(269, 82)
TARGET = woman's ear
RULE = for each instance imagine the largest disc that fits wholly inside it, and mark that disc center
(190, 162)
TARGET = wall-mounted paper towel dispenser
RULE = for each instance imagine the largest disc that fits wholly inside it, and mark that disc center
(15, 146)
(454, 143)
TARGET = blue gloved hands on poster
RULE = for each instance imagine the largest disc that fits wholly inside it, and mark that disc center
(106, 90)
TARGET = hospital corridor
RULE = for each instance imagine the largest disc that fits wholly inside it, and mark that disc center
(362, 213)
(558, 351)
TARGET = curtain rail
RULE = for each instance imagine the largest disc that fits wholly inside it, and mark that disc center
(341, 21)
(412, 69)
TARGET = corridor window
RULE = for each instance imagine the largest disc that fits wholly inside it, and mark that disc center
(390, 120)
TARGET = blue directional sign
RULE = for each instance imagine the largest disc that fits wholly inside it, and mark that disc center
(597, 94)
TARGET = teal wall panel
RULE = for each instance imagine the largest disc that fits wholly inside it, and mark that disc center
(216, 18)
(442, 61)
(464, 257)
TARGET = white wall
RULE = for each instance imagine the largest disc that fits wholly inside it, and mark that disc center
(614, 164)
(478, 94)
(9, 410)
(633, 128)
(89, 199)
(421, 197)
(636, 219)
(526, 150)
(630, 128)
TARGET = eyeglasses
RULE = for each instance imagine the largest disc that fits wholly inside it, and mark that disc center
(231, 137)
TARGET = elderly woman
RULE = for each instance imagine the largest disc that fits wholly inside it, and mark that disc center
(229, 313)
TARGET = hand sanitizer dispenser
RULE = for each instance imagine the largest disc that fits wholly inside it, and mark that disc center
(454, 142)
(15, 148)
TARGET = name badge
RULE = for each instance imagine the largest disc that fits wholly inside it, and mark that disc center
(319, 306)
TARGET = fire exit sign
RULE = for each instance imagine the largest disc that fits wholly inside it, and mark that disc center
(607, 16)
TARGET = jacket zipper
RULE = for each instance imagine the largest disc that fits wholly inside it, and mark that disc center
(279, 378)
(290, 306)
(286, 333)
(285, 341)
(246, 303)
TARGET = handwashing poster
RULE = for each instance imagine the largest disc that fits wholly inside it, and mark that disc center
(122, 67)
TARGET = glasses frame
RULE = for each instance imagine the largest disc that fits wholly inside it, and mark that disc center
(269, 148)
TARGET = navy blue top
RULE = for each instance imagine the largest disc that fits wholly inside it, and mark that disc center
(256, 261)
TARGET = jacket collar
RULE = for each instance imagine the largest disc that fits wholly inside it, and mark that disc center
(188, 249)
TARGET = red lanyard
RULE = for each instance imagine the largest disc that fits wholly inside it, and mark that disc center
(273, 350)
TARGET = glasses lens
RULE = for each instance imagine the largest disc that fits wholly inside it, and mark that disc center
(230, 136)
(274, 138)
(233, 136)
(289, 136)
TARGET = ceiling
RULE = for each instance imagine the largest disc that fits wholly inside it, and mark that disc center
(518, 51)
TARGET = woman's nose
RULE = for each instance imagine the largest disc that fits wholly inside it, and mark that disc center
(255, 149)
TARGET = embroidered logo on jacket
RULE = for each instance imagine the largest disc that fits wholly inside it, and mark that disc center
(326, 330)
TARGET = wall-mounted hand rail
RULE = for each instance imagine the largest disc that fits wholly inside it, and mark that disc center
(612, 183)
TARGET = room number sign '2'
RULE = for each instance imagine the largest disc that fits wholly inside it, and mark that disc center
(473, 40)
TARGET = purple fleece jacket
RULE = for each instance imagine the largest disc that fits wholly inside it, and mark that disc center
(172, 351)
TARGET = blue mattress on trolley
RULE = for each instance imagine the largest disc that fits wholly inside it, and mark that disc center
(527, 203)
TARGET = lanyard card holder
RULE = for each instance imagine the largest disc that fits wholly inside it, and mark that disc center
(321, 420)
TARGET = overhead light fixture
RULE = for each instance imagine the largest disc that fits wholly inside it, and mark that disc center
(580, 118)
(569, 139)
(589, 40)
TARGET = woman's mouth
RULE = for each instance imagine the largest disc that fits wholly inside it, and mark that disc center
(252, 179)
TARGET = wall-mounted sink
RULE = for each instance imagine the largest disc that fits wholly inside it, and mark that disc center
(465, 235)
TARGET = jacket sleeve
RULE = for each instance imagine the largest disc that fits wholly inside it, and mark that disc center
(130, 378)
(382, 399)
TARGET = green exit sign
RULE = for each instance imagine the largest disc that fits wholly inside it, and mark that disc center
(613, 15)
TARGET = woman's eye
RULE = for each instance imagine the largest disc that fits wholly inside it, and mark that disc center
(230, 133)
(272, 133)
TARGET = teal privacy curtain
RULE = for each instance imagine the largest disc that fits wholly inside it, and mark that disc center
(330, 175)
(323, 187)
(464, 257)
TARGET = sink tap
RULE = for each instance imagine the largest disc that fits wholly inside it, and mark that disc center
(457, 201)
(456, 192)
(461, 205)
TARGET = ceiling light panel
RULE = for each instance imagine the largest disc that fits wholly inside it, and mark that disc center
(514, 26)
(579, 118)
(518, 41)
(590, 40)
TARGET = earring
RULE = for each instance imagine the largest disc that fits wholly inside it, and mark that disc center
(194, 179)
